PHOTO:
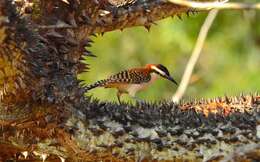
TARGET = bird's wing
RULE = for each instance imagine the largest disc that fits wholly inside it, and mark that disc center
(133, 76)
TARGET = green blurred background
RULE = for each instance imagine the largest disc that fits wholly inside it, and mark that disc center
(229, 63)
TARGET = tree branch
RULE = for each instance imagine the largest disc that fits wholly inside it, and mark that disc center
(216, 5)
(195, 56)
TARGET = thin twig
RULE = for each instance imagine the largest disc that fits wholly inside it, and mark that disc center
(216, 5)
(195, 55)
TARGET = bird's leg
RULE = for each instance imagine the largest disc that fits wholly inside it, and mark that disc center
(118, 96)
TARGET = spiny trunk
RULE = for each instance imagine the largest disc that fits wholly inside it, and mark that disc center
(43, 111)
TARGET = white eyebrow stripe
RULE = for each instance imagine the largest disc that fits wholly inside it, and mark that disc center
(158, 70)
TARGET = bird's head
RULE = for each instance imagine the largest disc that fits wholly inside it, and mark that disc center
(161, 70)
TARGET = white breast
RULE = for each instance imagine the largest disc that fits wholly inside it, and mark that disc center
(133, 88)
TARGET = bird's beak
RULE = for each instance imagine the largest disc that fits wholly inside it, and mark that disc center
(171, 79)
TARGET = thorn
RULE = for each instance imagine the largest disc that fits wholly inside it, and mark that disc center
(179, 16)
(62, 159)
(65, 1)
(237, 99)
(36, 153)
(25, 154)
(104, 12)
(200, 101)
(243, 97)
(196, 101)
(207, 101)
(232, 99)
(94, 35)
(44, 157)
(252, 100)
(148, 10)
(227, 99)
(147, 27)
(87, 42)
(17, 156)
(18, 134)
(88, 53)
(154, 23)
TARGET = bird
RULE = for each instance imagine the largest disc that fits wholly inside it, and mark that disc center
(133, 80)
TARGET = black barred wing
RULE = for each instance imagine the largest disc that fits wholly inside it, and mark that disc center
(130, 77)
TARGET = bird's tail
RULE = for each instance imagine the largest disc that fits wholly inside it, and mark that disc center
(99, 83)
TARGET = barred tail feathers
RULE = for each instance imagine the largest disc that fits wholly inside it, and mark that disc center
(99, 83)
